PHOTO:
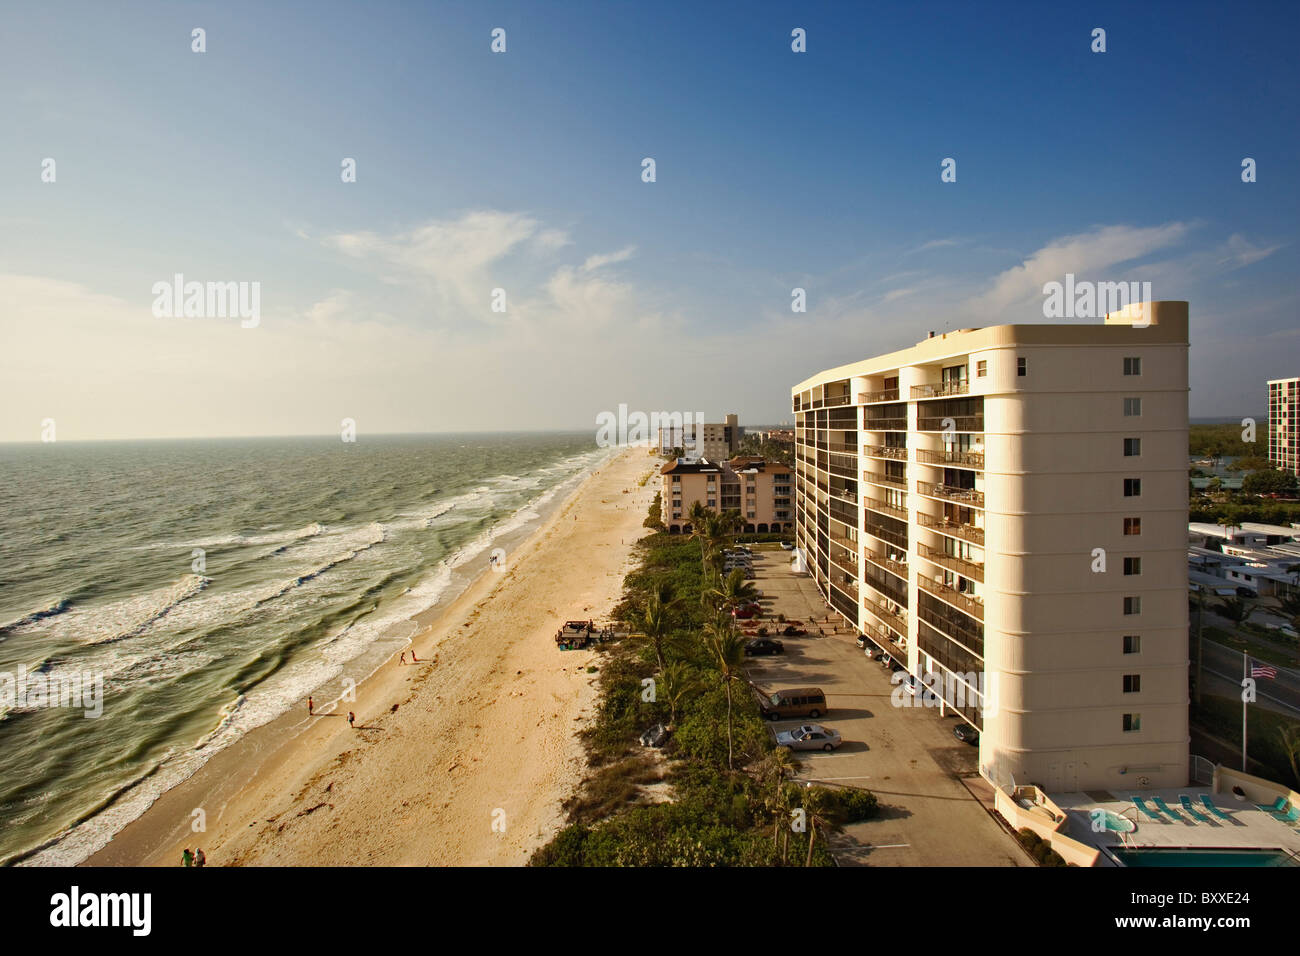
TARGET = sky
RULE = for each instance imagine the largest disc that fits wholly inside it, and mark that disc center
(522, 171)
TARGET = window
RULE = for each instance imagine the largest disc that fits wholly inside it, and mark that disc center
(1132, 566)
(1022, 367)
(1132, 487)
(1132, 723)
(1132, 447)
(1133, 605)
(677, 479)
(1132, 365)
(1132, 525)
(1132, 407)
(981, 369)
(1132, 644)
(1132, 683)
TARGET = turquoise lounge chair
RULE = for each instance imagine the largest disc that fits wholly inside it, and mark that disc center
(1208, 802)
(1165, 808)
(1142, 805)
(1192, 812)
(1280, 811)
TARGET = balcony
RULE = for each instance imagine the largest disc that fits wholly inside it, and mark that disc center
(875, 504)
(941, 390)
(888, 452)
(884, 638)
(845, 495)
(963, 566)
(887, 424)
(889, 480)
(964, 602)
(894, 567)
(966, 532)
(953, 459)
(844, 560)
(888, 395)
(897, 539)
(966, 497)
(846, 586)
(959, 423)
(842, 446)
(892, 619)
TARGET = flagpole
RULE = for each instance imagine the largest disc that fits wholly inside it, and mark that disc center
(1245, 675)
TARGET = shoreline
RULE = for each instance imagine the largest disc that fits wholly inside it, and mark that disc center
(266, 798)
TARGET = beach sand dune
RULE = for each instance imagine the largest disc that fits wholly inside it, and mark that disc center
(462, 759)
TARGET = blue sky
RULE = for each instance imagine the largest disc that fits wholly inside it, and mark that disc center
(522, 171)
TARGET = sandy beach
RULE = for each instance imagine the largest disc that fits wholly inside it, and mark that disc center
(461, 759)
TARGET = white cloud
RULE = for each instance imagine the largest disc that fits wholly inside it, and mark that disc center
(596, 261)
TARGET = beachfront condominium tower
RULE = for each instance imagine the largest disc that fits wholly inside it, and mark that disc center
(1284, 424)
(1005, 509)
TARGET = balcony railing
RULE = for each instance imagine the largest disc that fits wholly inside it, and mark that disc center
(965, 602)
(842, 446)
(956, 459)
(940, 390)
(884, 534)
(887, 395)
(959, 423)
(885, 451)
(890, 480)
(847, 587)
(884, 638)
(875, 504)
(894, 567)
(892, 619)
(886, 424)
(845, 495)
(963, 566)
(967, 497)
(967, 532)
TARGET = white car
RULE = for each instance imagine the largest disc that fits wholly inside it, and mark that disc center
(809, 737)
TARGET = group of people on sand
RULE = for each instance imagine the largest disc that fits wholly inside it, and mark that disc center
(193, 859)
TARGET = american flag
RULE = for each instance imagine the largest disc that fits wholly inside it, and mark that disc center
(1262, 670)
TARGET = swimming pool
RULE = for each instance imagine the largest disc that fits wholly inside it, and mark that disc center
(1182, 856)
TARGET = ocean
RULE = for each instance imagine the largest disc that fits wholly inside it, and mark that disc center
(211, 585)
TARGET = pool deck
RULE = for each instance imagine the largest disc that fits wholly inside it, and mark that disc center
(1248, 828)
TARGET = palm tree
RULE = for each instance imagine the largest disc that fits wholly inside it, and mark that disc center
(657, 621)
(680, 681)
(733, 590)
(728, 649)
(773, 772)
(1236, 609)
(1290, 737)
(817, 813)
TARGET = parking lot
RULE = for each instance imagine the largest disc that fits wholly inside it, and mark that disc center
(907, 756)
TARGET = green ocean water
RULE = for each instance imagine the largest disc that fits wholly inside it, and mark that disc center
(210, 585)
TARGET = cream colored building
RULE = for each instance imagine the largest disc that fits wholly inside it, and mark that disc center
(1006, 508)
(1284, 424)
(762, 491)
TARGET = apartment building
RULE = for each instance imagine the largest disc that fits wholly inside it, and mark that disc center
(1284, 424)
(716, 442)
(762, 491)
(1005, 509)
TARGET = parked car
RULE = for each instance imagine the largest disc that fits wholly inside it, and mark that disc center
(791, 630)
(1246, 592)
(746, 611)
(809, 737)
(966, 733)
(787, 546)
(796, 702)
(763, 645)
(880, 657)
(862, 641)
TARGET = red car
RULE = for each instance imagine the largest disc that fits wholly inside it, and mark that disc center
(746, 611)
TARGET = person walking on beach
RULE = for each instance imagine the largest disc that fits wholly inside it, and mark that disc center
(311, 707)
(199, 858)
(402, 659)
(351, 717)
(187, 858)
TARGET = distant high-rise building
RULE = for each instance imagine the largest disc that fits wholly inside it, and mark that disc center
(1003, 510)
(712, 441)
(1284, 423)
